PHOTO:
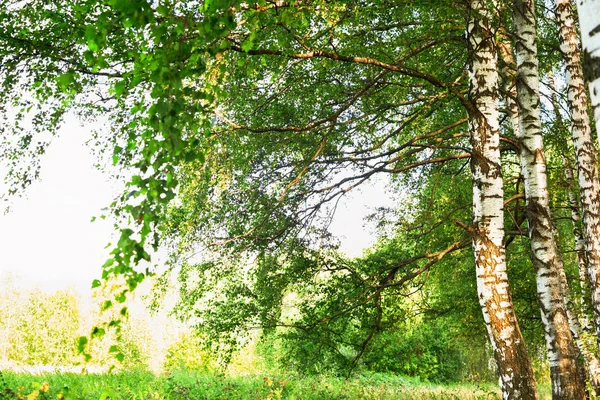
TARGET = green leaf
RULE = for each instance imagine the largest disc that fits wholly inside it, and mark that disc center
(91, 34)
(96, 283)
(92, 45)
(120, 357)
(247, 46)
(162, 10)
(97, 332)
(81, 342)
(65, 80)
(120, 87)
(121, 298)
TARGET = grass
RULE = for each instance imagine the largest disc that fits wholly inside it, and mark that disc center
(179, 386)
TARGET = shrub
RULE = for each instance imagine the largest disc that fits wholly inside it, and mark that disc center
(188, 354)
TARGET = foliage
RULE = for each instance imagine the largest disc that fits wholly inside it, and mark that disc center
(187, 354)
(40, 328)
(427, 351)
(273, 353)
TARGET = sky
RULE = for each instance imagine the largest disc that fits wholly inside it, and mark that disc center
(48, 240)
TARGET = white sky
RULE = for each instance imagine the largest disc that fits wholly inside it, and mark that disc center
(48, 241)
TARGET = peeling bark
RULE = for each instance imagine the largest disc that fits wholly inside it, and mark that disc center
(514, 366)
(567, 382)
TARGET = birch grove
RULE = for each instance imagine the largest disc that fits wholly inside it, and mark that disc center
(240, 126)
(515, 371)
(585, 153)
(566, 381)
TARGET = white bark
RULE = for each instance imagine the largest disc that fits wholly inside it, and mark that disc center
(589, 23)
(514, 367)
(580, 323)
(582, 259)
(567, 383)
(585, 153)
(581, 326)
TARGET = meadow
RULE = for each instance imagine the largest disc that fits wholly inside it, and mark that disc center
(184, 385)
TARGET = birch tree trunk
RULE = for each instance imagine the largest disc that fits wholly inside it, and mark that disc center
(580, 333)
(514, 366)
(567, 383)
(589, 23)
(582, 259)
(582, 327)
(585, 153)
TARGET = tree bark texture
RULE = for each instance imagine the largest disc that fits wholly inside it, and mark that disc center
(589, 23)
(567, 383)
(582, 259)
(585, 153)
(581, 326)
(514, 366)
(582, 339)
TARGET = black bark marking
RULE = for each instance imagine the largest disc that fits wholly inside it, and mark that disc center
(591, 66)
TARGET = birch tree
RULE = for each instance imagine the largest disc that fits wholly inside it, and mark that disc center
(585, 152)
(589, 23)
(582, 327)
(515, 371)
(566, 381)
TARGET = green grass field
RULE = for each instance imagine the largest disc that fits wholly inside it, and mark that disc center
(146, 386)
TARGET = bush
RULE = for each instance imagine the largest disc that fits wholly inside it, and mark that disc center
(188, 354)
(427, 351)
